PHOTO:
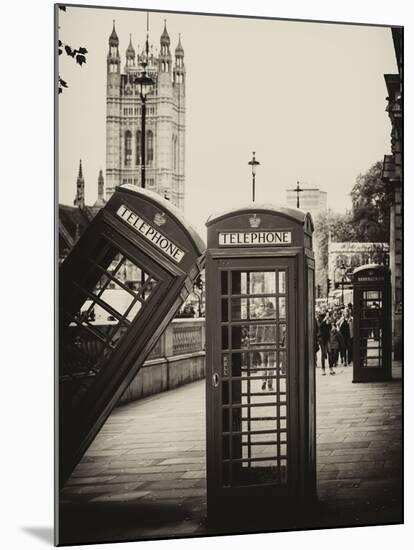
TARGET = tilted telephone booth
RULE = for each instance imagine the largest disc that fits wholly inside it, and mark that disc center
(119, 288)
(260, 371)
(372, 323)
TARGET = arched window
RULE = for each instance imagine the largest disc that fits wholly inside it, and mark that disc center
(128, 148)
(150, 147)
(138, 148)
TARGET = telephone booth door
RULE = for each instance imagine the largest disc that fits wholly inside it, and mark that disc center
(260, 416)
(372, 324)
(119, 288)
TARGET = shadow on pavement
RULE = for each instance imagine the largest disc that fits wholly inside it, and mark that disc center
(45, 534)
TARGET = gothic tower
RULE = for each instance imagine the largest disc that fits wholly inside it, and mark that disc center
(80, 189)
(100, 202)
(164, 122)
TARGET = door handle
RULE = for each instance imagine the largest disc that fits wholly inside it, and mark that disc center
(215, 380)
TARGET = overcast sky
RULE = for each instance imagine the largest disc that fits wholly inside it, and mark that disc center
(308, 98)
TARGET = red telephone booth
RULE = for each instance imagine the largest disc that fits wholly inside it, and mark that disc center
(260, 375)
(119, 288)
(372, 323)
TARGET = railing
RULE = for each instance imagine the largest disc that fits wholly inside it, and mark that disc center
(187, 338)
(181, 336)
(177, 358)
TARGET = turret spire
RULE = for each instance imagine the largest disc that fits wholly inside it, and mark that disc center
(113, 58)
(165, 37)
(101, 191)
(80, 189)
(179, 69)
(113, 39)
(179, 50)
(165, 55)
(130, 53)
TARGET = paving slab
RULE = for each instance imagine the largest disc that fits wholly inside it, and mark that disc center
(144, 476)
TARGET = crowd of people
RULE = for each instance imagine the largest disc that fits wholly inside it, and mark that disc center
(334, 329)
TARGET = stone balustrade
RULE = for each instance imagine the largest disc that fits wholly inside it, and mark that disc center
(177, 358)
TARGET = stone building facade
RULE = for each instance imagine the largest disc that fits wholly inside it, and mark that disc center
(312, 200)
(73, 220)
(352, 255)
(393, 176)
(165, 119)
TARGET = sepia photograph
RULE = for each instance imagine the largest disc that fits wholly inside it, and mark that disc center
(229, 274)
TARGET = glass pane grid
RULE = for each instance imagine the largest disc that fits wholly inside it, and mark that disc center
(110, 305)
(254, 377)
(370, 346)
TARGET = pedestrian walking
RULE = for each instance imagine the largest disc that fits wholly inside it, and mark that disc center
(335, 344)
(344, 331)
(266, 334)
(351, 335)
(324, 329)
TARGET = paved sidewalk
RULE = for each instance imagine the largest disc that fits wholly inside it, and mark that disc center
(144, 476)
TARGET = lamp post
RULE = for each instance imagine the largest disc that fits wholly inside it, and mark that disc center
(253, 163)
(145, 85)
(297, 191)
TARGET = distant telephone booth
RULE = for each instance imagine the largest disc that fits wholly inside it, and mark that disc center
(372, 323)
(119, 288)
(260, 370)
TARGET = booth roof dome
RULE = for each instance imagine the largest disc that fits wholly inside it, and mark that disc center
(170, 208)
(297, 215)
(367, 267)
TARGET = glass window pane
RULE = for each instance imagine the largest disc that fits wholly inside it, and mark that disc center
(238, 282)
(282, 363)
(224, 338)
(117, 298)
(225, 392)
(224, 311)
(282, 282)
(133, 312)
(253, 308)
(253, 282)
(282, 335)
(96, 314)
(282, 308)
(252, 336)
(224, 284)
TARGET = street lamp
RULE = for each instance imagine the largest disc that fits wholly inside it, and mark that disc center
(297, 191)
(253, 163)
(145, 86)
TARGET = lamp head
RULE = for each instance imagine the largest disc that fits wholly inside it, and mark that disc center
(145, 84)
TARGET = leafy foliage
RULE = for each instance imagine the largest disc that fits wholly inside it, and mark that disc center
(371, 200)
(341, 229)
(367, 221)
(78, 54)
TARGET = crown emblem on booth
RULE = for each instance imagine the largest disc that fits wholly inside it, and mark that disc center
(254, 221)
(159, 218)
